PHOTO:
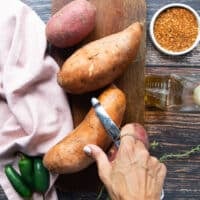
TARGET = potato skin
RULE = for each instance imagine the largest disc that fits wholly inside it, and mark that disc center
(71, 24)
(100, 62)
(67, 156)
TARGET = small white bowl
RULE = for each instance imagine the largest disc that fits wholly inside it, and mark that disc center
(159, 47)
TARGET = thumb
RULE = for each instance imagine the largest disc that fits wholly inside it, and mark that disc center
(103, 164)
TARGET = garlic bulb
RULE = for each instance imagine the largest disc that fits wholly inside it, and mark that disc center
(196, 95)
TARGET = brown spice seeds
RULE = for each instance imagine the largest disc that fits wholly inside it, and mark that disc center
(176, 29)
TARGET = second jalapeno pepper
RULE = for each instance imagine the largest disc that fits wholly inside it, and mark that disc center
(41, 175)
(26, 169)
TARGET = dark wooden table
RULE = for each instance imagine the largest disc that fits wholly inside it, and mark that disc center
(173, 130)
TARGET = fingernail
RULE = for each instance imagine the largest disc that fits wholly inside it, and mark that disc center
(87, 150)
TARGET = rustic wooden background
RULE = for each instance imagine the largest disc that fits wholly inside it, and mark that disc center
(174, 131)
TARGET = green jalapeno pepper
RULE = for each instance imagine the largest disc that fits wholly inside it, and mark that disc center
(25, 165)
(41, 176)
(17, 182)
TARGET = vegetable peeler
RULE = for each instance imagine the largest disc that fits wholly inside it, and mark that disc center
(110, 126)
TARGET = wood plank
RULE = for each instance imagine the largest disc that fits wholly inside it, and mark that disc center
(176, 132)
(168, 70)
(2, 194)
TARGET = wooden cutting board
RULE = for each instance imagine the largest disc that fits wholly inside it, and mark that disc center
(112, 16)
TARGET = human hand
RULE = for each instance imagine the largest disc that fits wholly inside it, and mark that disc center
(133, 174)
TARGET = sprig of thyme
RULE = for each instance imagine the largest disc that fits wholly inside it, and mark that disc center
(154, 145)
(101, 192)
(185, 154)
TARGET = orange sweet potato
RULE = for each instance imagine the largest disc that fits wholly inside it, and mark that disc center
(100, 62)
(67, 156)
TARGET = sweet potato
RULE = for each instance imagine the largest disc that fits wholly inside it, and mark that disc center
(67, 156)
(100, 62)
(71, 24)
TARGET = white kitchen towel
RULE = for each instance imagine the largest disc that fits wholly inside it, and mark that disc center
(34, 111)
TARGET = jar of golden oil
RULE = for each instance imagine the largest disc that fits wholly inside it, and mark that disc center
(173, 92)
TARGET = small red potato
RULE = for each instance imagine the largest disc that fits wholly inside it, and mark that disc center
(71, 24)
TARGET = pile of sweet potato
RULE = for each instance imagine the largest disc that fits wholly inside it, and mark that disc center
(93, 66)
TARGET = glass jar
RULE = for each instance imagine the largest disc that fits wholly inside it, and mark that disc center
(173, 92)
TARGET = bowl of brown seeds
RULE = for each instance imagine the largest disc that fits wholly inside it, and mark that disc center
(175, 29)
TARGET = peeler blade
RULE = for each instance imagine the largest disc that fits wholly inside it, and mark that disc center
(110, 126)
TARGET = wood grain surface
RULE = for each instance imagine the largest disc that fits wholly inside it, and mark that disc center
(174, 131)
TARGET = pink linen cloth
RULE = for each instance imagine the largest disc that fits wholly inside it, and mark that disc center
(34, 111)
